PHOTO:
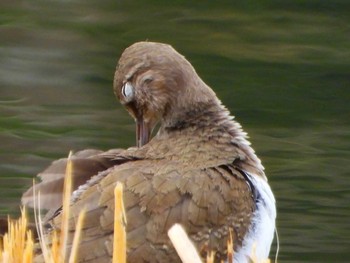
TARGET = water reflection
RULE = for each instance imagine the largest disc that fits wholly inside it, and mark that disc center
(282, 70)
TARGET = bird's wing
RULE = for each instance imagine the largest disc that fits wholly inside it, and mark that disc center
(86, 164)
(157, 194)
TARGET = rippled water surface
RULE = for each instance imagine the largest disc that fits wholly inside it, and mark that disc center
(282, 68)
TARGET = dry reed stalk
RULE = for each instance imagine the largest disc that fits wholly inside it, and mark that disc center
(17, 244)
(67, 191)
(183, 245)
(210, 257)
(28, 250)
(57, 251)
(254, 259)
(230, 251)
(188, 254)
(119, 238)
(76, 239)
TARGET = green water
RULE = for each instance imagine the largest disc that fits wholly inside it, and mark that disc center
(282, 68)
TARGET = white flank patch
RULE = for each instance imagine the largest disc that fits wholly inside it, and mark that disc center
(262, 229)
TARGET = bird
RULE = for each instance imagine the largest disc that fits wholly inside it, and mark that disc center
(192, 165)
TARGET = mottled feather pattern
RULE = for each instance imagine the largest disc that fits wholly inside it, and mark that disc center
(163, 190)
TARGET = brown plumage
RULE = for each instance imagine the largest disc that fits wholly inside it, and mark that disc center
(194, 171)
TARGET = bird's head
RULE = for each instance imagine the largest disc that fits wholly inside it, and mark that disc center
(155, 83)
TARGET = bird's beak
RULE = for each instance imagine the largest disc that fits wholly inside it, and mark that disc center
(143, 131)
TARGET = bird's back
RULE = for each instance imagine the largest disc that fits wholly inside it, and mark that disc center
(160, 192)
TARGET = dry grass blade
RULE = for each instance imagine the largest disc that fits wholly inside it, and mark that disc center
(67, 190)
(119, 239)
(183, 245)
(230, 251)
(17, 244)
(56, 252)
(210, 257)
(77, 236)
(28, 250)
(254, 259)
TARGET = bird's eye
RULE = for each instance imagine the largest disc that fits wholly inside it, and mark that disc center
(128, 90)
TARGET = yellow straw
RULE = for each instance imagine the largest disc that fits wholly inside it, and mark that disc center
(230, 251)
(65, 207)
(119, 239)
(17, 243)
(77, 236)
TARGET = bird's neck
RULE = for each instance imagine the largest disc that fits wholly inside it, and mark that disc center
(208, 130)
(204, 118)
